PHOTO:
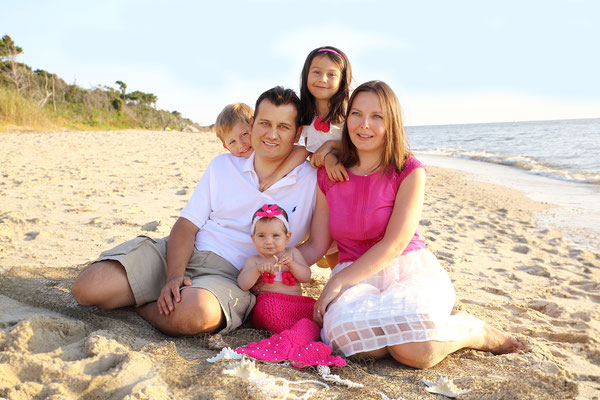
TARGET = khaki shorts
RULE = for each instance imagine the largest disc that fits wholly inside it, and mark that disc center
(145, 262)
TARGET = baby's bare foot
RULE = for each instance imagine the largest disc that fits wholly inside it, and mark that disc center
(498, 342)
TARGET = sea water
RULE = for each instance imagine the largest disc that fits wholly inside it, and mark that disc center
(556, 162)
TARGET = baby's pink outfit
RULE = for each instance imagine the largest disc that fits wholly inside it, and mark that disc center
(297, 345)
(275, 312)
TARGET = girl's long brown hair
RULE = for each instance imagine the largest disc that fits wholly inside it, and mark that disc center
(338, 102)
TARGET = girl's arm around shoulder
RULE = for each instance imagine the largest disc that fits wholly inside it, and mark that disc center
(249, 274)
(318, 158)
(294, 159)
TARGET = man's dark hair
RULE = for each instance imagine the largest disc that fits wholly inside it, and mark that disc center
(280, 96)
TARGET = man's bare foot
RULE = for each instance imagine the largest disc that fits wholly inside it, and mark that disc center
(498, 342)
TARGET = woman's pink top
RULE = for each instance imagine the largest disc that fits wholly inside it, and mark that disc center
(360, 209)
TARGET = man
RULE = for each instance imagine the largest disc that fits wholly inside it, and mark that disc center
(186, 283)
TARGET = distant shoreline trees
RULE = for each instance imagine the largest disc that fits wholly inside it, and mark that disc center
(70, 106)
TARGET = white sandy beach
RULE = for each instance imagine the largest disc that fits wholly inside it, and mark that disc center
(66, 196)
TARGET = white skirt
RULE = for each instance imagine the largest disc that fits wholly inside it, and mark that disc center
(410, 300)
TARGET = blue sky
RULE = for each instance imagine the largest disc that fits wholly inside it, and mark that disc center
(448, 62)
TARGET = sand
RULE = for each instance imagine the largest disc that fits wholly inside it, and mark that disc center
(66, 196)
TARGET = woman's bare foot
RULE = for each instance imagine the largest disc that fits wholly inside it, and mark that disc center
(498, 342)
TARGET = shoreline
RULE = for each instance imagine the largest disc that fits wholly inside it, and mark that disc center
(68, 196)
(573, 208)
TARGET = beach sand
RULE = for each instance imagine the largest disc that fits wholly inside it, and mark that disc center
(65, 197)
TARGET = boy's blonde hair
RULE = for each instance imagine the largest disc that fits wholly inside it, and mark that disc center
(231, 115)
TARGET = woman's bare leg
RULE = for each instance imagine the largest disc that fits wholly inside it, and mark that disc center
(427, 354)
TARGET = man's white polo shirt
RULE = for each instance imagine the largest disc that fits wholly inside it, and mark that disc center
(227, 196)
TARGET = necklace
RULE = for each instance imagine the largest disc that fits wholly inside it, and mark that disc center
(365, 171)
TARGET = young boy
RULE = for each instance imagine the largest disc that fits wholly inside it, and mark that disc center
(233, 129)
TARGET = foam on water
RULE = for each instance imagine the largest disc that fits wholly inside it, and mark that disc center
(568, 150)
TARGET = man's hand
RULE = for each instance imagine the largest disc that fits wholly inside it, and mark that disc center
(171, 291)
(255, 290)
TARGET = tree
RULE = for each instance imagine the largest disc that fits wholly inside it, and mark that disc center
(45, 90)
(117, 103)
(149, 99)
(8, 48)
(123, 86)
(14, 71)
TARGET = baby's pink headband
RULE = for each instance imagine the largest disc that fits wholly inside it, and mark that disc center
(269, 211)
(331, 51)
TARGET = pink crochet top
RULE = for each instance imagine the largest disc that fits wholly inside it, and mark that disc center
(359, 209)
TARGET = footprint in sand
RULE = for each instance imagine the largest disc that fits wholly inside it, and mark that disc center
(151, 226)
(548, 308)
(445, 256)
(497, 291)
(536, 270)
(521, 249)
(31, 235)
(590, 289)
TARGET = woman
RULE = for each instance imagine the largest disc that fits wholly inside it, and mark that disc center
(389, 294)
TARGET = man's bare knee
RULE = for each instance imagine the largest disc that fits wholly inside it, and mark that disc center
(103, 284)
(200, 320)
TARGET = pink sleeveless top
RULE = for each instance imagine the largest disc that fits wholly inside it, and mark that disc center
(360, 209)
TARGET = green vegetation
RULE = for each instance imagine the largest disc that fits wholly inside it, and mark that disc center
(39, 100)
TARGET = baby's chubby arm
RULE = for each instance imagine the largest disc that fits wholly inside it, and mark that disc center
(249, 273)
(295, 262)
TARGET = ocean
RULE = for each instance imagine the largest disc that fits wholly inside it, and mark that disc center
(557, 162)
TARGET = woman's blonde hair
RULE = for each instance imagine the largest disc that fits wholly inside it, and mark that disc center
(396, 149)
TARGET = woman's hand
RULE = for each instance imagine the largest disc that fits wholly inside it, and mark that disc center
(171, 291)
(330, 292)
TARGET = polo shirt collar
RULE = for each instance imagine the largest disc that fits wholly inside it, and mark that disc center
(290, 178)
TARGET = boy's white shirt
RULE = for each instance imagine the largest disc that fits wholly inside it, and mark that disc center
(227, 196)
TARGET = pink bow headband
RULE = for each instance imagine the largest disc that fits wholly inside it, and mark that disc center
(270, 211)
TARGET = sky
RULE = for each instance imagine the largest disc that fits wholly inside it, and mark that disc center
(448, 62)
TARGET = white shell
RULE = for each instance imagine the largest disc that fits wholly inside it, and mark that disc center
(325, 373)
(245, 369)
(445, 386)
(226, 353)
